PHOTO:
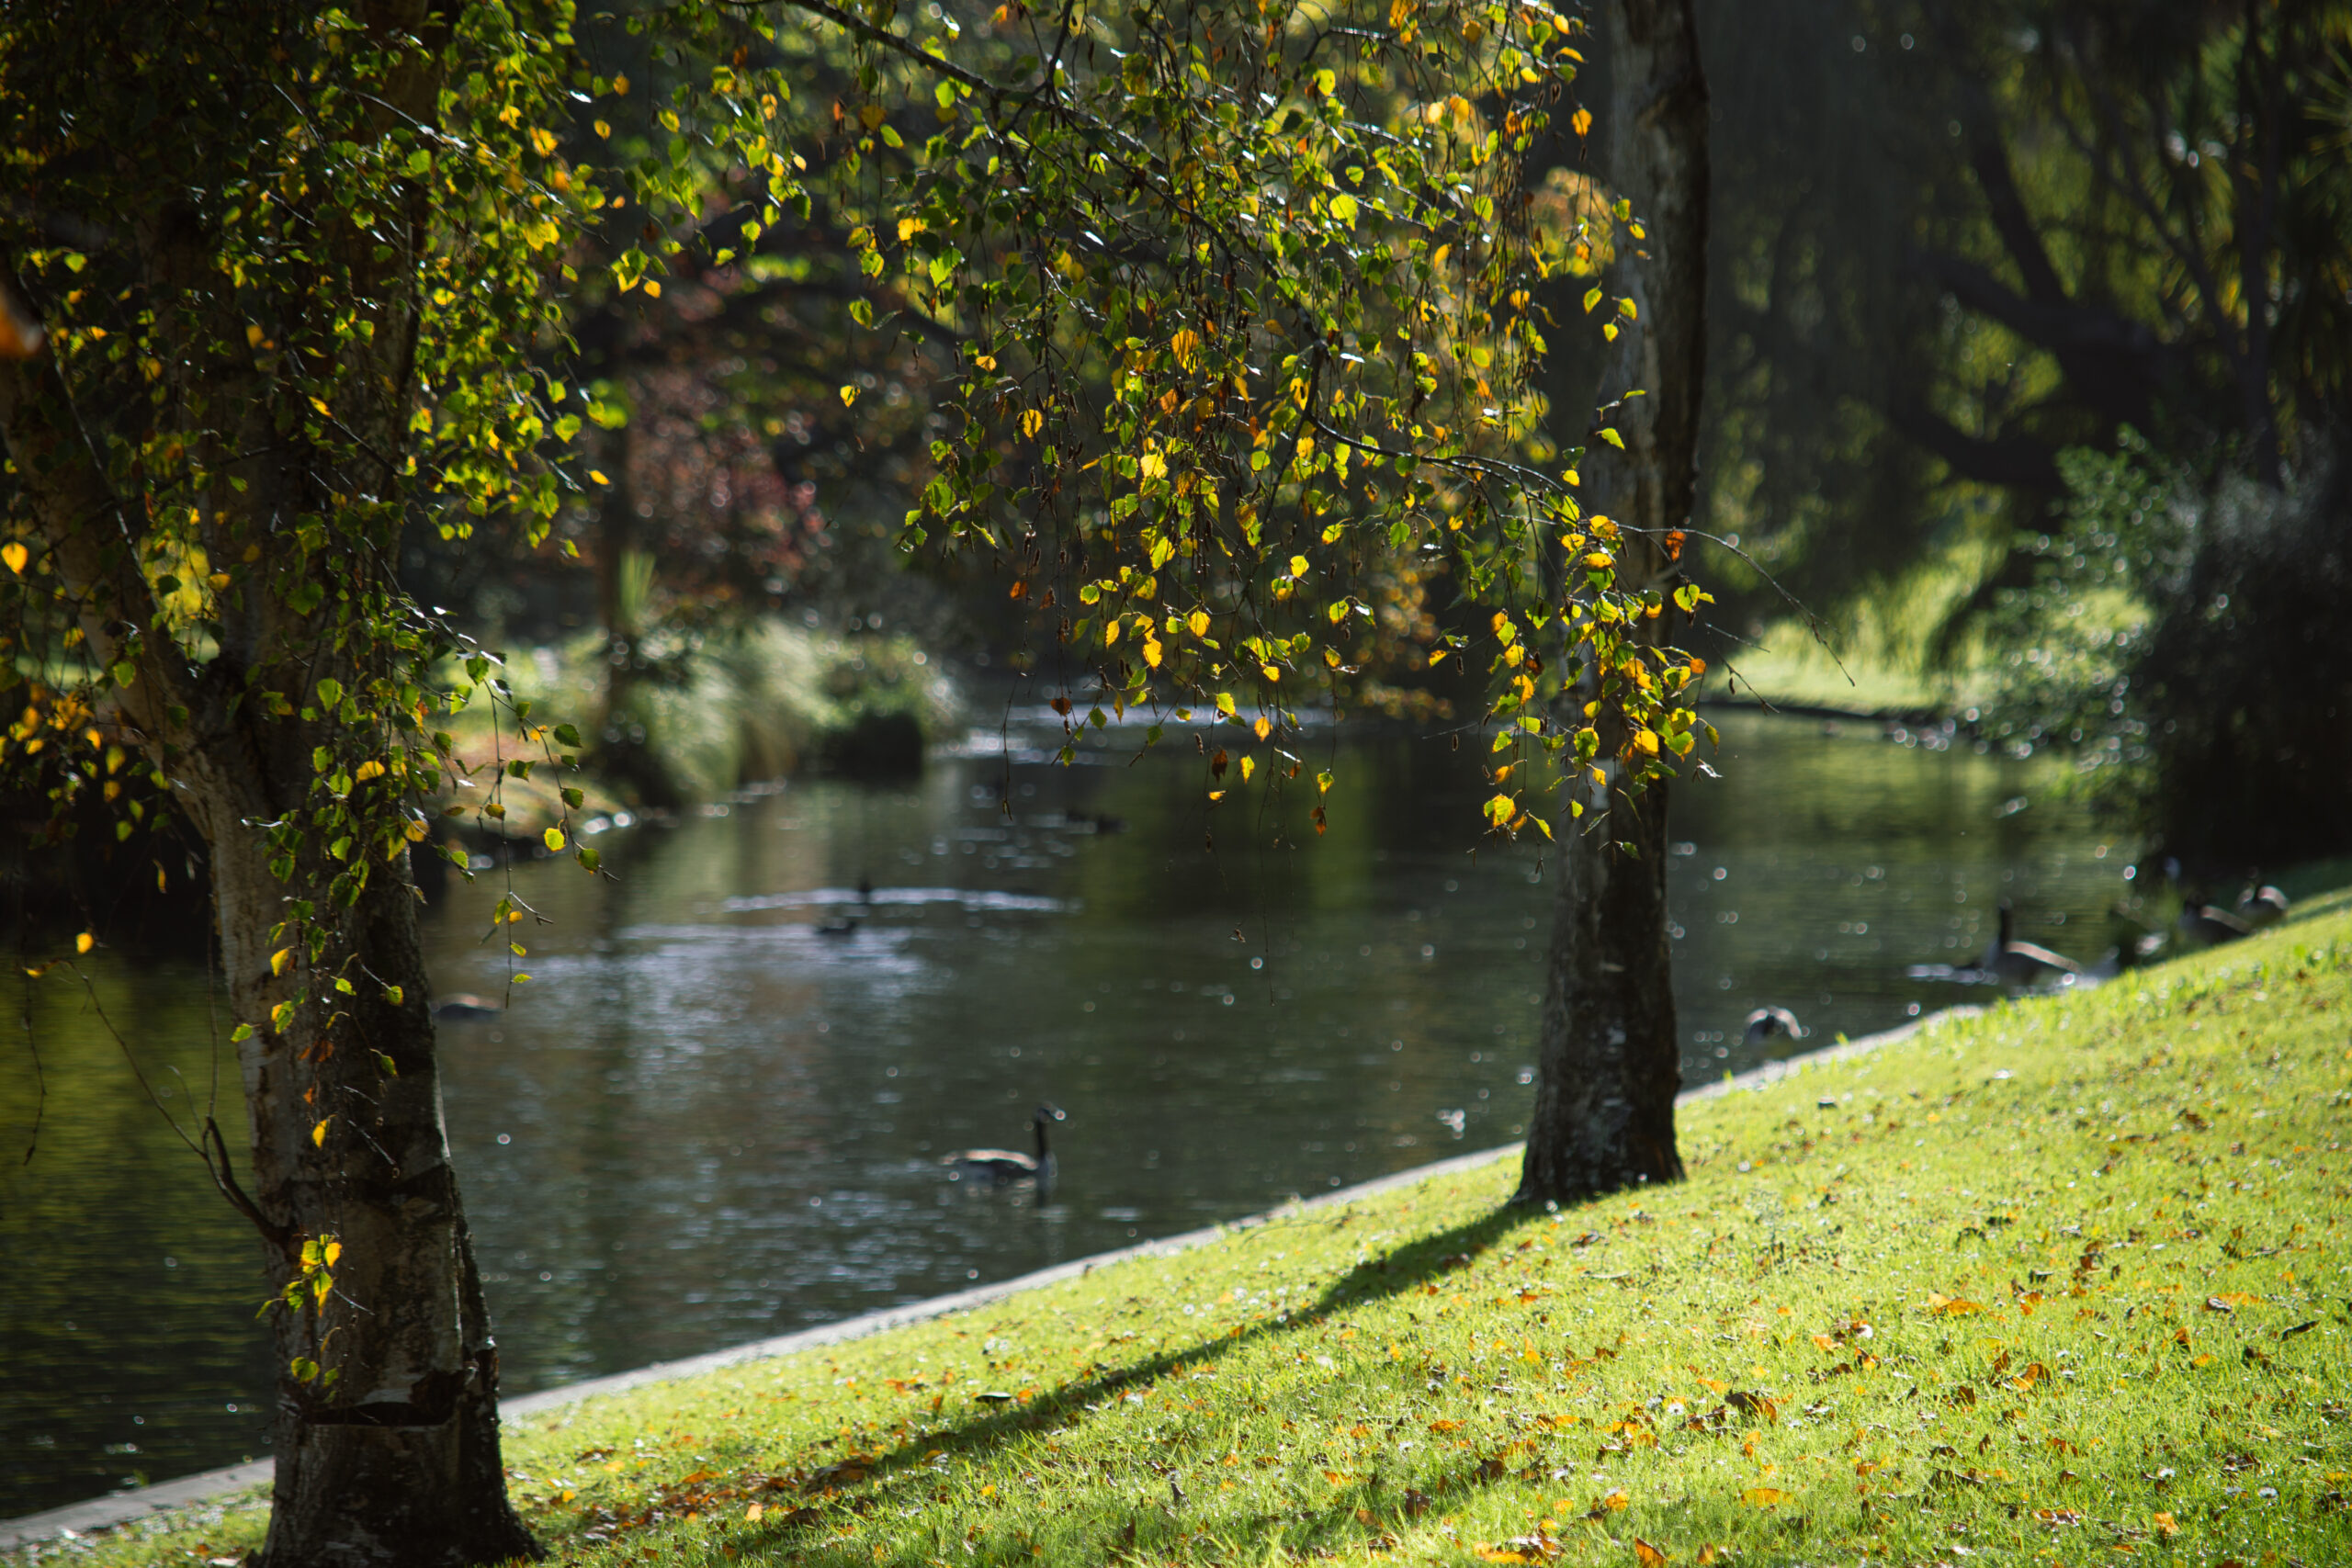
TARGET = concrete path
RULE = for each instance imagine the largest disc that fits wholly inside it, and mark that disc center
(126, 1507)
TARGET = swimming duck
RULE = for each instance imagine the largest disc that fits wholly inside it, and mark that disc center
(1009, 1165)
(2014, 963)
(1767, 1024)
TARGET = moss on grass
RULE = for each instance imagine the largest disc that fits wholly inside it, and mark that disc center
(2063, 1283)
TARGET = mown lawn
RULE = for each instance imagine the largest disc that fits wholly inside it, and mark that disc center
(2065, 1282)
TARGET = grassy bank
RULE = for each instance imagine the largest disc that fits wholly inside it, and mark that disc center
(2065, 1282)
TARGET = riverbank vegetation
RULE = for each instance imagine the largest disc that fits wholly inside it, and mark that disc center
(737, 706)
(2059, 1280)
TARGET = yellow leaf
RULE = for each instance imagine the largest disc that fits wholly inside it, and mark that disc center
(1763, 1497)
(84, 943)
(1645, 1554)
(1154, 466)
(1269, 673)
(333, 1250)
(1582, 120)
(1617, 1502)
(1225, 704)
(1152, 653)
(1264, 727)
(319, 1134)
(849, 396)
(598, 476)
(752, 1515)
(1645, 741)
(280, 959)
(1343, 207)
(1248, 766)
(1198, 623)
(16, 555)
(554, 839)
(1031, 422)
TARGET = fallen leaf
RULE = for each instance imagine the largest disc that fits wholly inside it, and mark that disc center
(1645, 1554)
(1763, 1497)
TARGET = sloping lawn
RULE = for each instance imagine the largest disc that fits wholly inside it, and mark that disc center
(2065, 1282)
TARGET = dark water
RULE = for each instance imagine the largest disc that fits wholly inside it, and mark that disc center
(707, 1120)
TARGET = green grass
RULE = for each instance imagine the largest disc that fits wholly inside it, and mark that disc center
(2062, 1283)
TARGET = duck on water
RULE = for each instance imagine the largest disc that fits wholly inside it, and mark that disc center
(2005, 960)
(999, 1166)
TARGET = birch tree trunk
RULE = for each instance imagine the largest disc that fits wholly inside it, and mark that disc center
(1609, 1062)
(387, 1451)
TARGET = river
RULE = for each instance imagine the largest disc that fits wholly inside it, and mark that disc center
(707, 1117)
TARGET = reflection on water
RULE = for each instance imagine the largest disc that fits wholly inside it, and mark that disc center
(715, 1111)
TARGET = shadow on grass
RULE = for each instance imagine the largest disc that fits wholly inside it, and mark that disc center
(801, 1503)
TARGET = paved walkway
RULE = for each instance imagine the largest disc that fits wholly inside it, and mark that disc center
(125, 1507)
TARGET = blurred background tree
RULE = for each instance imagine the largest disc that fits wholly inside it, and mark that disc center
(1954, 244)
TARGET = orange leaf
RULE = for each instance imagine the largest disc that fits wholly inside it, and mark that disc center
(1645, 1554)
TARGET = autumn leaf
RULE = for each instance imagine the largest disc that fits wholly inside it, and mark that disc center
(84, 943)
(16, 555)
(1645, 1554)
(1763, 1497)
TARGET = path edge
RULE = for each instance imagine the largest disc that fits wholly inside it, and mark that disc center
(118, 1508)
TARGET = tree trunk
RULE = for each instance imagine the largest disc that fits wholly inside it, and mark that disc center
(385, 1426)
(391, 1452)
(1608, 1061)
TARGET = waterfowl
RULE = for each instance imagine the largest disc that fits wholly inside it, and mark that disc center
(842, 925)
(1767, 1024)
(2014, 963)
(2266, 906)
(2142, 948)
(2210, 925)
(1009, 1165)
(463, 1007)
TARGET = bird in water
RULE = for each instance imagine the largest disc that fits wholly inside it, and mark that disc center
(464, 1007)
(2014, 963)
(1768, 1024)
(1005, 1165)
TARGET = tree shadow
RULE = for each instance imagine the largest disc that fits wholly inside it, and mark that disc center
(801, 1501)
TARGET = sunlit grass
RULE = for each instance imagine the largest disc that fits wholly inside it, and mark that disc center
(2062, 1282)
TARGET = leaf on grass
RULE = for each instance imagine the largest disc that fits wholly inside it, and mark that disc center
(1952, 1306)
(1648, 1556)
(1763, 1497)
